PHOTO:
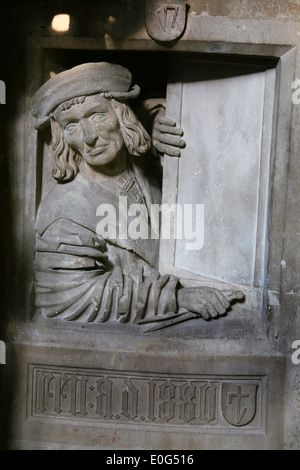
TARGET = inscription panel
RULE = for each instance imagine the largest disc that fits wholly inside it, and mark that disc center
(141, 398)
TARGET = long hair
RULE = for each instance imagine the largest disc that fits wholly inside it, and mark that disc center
(65, 160)
(135, 136)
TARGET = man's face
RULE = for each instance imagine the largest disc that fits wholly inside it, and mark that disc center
(93, 130)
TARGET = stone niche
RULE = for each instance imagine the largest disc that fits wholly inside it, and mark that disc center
(222, 384)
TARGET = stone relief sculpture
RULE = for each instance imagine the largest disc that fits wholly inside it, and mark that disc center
(102, 158)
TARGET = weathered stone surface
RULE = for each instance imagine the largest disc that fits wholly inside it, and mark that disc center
(134, 409)
(91, 270)
(165, 22)
(246, 9)
(250, 347)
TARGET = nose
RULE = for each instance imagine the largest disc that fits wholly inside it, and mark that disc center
(89, 132)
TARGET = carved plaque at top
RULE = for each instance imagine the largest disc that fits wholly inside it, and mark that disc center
(165, 21)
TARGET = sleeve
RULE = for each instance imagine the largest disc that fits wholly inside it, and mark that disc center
(147, 111)
(80, 277)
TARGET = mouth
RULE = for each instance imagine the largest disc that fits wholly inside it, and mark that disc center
(97, 151)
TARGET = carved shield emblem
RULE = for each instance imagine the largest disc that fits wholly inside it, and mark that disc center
(165, 21)
(239, 403)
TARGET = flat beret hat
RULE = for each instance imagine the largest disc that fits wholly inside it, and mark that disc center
(84, 79)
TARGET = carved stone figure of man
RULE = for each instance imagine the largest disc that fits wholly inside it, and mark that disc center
(101, 153)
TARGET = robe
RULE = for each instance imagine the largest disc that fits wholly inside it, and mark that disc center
(81, 276)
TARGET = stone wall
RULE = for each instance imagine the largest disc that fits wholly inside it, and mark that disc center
(85, 387)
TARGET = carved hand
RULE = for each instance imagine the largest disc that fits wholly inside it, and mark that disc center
(205, 301)
(166, 136)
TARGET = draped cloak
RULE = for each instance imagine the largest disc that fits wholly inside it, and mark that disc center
(81, 276)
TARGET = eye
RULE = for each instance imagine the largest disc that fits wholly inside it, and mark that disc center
(71, 127)
(98, 117)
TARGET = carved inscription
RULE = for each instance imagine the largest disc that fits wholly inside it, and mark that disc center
(143, 398)
(162, 15)
(165, 21)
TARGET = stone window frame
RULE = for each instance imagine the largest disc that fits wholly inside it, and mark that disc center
(283, 51)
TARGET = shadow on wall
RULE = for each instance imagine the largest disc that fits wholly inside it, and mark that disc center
(11, 261)
(113, 19)
(6, 277)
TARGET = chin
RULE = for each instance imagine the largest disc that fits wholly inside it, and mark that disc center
(99, 160)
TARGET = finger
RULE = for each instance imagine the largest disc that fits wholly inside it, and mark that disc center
(166, 149)
(212, 310)
(202, 310)
(204, 313)
(167, 121)
(220, 303)
(169, 139)
(222, 299)
(169, 129)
